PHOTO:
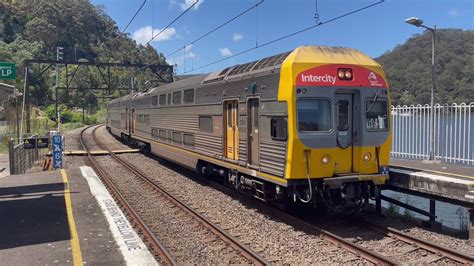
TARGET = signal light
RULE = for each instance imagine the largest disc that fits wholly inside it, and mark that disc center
(344, 74)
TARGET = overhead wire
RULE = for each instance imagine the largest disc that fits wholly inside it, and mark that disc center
(134, 16)
(202, 36)
(216, 28)
(173, 21)
(290, 35)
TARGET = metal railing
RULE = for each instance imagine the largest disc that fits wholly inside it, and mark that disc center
(453, 132)
(23, 156)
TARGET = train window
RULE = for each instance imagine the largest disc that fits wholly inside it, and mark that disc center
(205, 123)
(140, 119)
(188, 96)
(314, 115)
(154, 100)
(278, 128)
(162, 99)
(177, 137)
(146, 119)
(377, 115)
(154, 132)
(342, 115)
(188, 139)
(177, 97)
(163, 135)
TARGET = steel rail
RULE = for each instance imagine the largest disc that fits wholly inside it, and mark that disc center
(442, 251)
(153, 243)
(226, 237)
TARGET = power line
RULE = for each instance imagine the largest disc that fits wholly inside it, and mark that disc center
(289, 35)
(173, 21)
(136, 13)
(216, 28)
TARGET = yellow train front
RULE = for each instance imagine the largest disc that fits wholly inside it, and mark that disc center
(310, 125)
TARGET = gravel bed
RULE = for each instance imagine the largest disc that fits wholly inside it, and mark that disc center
(109, 140)
(71, 139)
(185, 239)
(275, 240)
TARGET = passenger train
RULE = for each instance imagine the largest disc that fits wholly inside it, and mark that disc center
(310, 125)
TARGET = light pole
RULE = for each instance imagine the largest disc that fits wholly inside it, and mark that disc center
(419, 23)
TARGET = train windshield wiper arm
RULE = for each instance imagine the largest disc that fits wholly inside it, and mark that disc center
(376, 96)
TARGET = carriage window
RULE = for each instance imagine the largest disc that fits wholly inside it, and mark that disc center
(140, 119)
(162, 99)
(342, 115)
(146, 119)
(188, 139)
(205, 123)
(177, 97)
(188, 96)
(154, 100)
(162, 134)
(278, 128)
(154, 132)
(314, 115)
(177, 137)
(377, 115)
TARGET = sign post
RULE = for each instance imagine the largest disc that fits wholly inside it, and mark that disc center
(7, 70)
(57, 151)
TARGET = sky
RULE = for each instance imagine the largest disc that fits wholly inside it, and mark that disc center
(373, 31)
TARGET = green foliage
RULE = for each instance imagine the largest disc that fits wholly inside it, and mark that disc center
(33, 29)
(408, 68)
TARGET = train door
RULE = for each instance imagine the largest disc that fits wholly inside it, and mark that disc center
(132, 121)
(253, 131)
(231, 134)
(344, 131)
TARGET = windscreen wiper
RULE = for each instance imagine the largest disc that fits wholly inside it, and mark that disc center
(376, 96)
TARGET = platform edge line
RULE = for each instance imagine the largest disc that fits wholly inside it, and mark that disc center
(75, 245)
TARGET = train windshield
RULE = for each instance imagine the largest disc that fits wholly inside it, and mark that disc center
(314, 115)
(377, 115)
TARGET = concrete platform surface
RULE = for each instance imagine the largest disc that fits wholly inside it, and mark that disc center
(64, 217)
(440, 181)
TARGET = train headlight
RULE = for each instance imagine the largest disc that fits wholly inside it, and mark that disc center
(367, 157)
(348, 74)
(341, 73)
(326, 159)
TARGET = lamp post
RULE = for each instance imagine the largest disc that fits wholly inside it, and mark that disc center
(419, 23)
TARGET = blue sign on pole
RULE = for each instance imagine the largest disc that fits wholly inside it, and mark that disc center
(57, 151)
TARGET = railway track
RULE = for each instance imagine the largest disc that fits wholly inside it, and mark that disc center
(438, 252)
(249, 255)
(153, 243)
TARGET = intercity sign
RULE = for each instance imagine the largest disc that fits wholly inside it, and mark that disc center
(7, 70)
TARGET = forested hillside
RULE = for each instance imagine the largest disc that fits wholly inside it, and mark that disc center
(33, 29)
(408, 68)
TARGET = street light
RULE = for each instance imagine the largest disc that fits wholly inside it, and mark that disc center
(419, 23)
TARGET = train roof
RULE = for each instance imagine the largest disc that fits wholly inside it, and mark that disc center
(302, 54)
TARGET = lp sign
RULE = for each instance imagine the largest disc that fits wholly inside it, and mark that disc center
(7, 70)
(57, 151)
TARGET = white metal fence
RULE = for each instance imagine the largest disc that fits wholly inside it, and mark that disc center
(453, 132)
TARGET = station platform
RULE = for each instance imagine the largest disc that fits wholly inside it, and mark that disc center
(448, 182)
(65, 217)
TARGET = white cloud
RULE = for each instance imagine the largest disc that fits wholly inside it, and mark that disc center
(184, 4)
(144, 34)
(225, 51)
(453, 12)
(237, 37)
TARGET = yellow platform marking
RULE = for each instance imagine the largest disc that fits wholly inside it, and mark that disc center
(75, 246)
(430, 171)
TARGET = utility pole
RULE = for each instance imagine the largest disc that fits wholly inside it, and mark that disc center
(132, 80)
(59, 56)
